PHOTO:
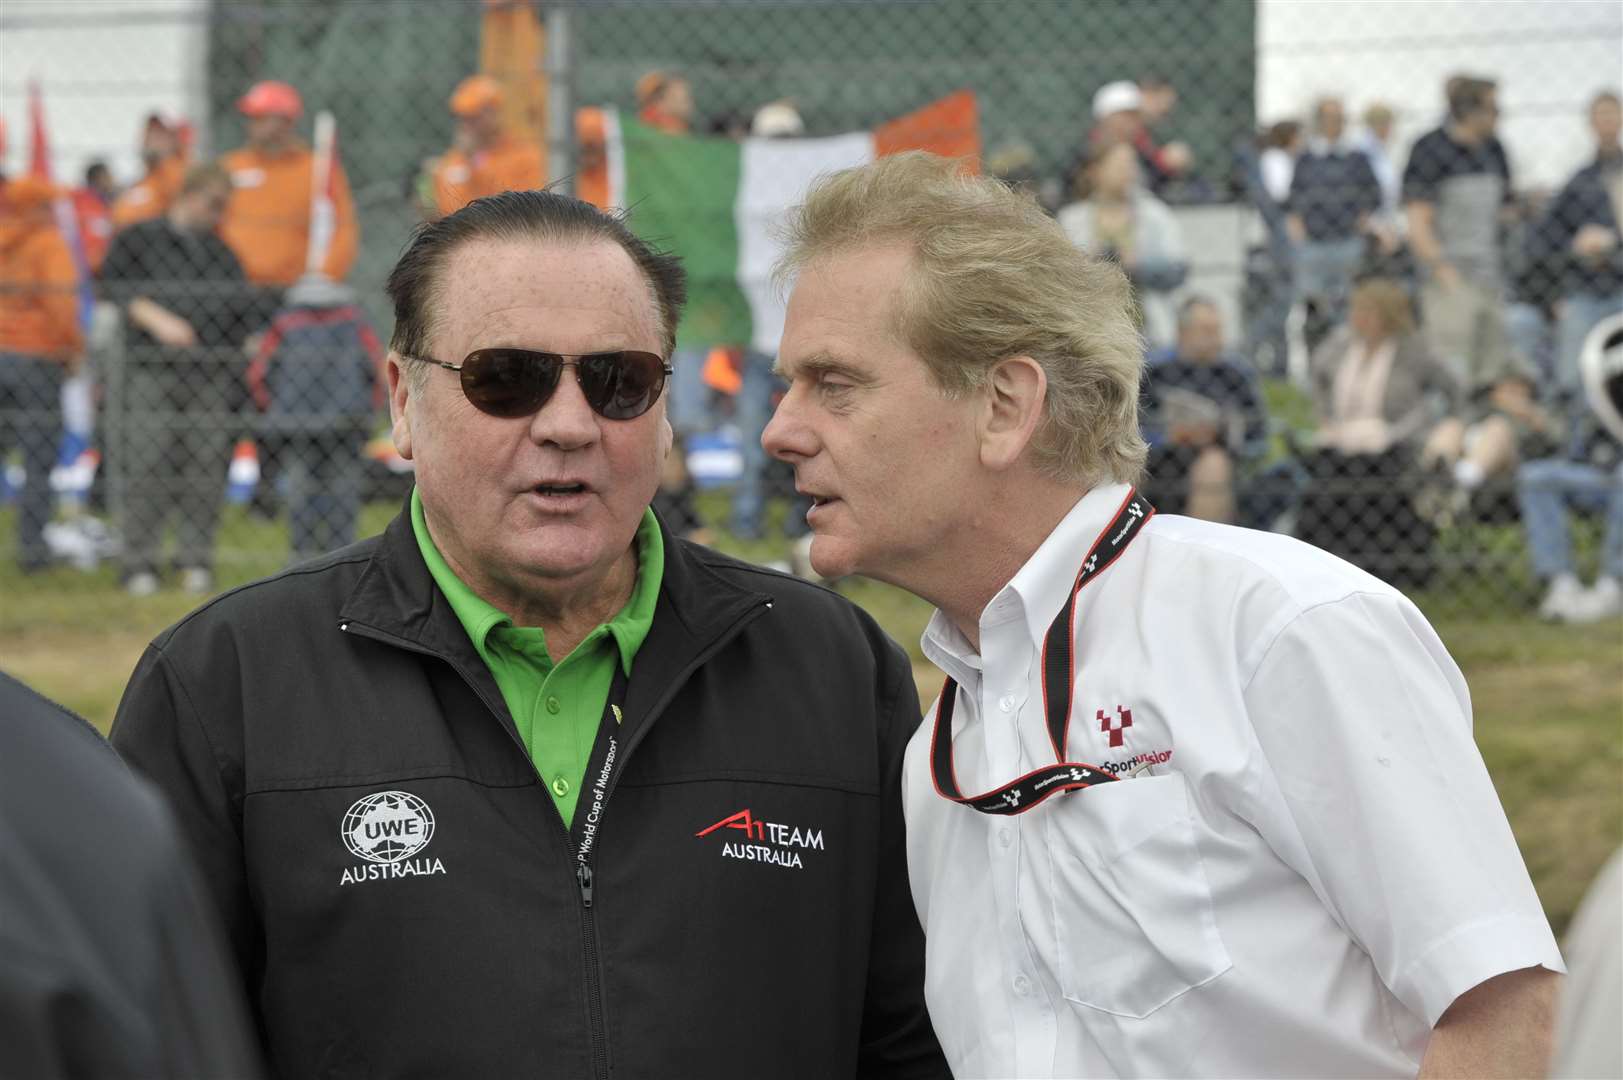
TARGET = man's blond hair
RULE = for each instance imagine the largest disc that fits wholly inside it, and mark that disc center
(992, 276)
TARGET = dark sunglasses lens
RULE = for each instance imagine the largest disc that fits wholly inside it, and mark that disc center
(509, 382)
(621, 385)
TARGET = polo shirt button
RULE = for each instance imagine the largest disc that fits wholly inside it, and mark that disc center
(1006, 703)
(560, 787)
(553, 705)
(1022, 985)
(1005, 836)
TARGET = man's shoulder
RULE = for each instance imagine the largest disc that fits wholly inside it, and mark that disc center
(806, 605)
(1293, 575)
(272, 606)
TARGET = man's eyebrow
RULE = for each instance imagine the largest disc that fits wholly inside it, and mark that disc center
(819, 364)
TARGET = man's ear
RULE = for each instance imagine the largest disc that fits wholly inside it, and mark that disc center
(1011, 411)
(399, 394)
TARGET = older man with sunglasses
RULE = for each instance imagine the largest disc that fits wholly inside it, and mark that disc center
(526, 786)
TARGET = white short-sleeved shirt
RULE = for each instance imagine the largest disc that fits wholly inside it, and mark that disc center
(1314, 866)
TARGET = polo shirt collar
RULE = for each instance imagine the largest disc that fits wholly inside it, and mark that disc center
(1038, 589)
(629, 627)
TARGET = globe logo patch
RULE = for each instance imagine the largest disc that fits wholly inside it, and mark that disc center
(387, 827)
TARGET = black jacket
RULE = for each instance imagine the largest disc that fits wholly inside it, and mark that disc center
(1584, 201)
(110, 962)
(783, 943)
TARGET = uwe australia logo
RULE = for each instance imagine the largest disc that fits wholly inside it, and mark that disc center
(387, 829)
(765, 841)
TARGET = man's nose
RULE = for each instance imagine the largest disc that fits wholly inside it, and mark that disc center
(787, 436)
(565, 420)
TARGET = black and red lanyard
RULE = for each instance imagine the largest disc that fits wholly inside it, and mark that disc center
(1059, 673)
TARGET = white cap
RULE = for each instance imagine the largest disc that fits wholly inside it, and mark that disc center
(1112, 98)
(777, 119)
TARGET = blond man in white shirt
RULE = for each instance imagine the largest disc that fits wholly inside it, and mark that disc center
(1195, 801)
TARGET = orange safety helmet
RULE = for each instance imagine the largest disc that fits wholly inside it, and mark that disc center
(271, 98)
(475, 94)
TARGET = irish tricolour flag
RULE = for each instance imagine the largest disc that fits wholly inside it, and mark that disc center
(716, 201)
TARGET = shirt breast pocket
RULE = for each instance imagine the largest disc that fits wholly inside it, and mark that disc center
(1133, 915)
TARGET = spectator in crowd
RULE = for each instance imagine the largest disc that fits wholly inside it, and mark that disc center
(1375, 140)
(164, 152)
(40, 345)
(1119, 220)
(1333, 193)
(1281, 146)
(92, 213)
(317, 381)
(1204, 419)
(485, 157)
(187, 311)
(665, 102)
(1119, 116)
(1588, 476)
(111, 961)
(268, 223)
(675, 503)
(760, 387)
(1376, 385)
(1270, 276)
(524, 653)
(1580, 237)
(1455, 187)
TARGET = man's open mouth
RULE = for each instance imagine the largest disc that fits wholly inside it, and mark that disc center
(559, 489)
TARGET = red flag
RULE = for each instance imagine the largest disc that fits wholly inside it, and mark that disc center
(39, 148)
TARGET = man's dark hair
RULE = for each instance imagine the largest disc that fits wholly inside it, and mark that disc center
(1193, 303)
(1467, 94)
(95, 171)
(415, 284)
(1607, 97)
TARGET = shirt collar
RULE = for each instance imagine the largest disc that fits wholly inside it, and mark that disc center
(1038, 589)
(479, 617)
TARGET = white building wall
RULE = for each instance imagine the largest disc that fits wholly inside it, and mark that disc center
(102, 65)
(1549, 56)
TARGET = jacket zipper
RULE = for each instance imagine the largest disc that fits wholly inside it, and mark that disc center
(583, 870)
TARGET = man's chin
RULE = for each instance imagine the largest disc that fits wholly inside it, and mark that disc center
(832, 558)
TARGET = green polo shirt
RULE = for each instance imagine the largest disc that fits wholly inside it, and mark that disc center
(556, 706)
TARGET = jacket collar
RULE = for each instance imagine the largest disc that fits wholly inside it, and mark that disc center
(697, 607)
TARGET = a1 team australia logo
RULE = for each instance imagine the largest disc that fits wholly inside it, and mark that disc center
(388, 828)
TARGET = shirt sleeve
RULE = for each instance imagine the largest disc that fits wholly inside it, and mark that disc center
(1374, 791)
(1421, 175)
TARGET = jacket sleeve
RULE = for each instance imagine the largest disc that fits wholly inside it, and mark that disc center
(897, 1038)
(159, 732)
(346, 231)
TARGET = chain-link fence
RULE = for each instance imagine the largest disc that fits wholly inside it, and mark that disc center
(1367, 241)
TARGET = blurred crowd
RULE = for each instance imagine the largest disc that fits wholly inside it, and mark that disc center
(1428, 312)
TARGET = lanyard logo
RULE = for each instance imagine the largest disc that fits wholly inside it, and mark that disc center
(1059, 679)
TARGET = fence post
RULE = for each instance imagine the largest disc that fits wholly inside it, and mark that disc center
(560, 99)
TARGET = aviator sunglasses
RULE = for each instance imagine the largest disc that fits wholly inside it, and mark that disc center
(510, 383)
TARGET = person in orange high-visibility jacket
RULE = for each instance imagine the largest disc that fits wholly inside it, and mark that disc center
(267, 223)
(39, 342)
(163, 148)
(485, 157)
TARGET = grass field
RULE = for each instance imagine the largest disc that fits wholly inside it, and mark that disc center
(1549, 699)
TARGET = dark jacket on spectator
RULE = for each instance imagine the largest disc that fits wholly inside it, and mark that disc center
(1584, 201)
(318, 369)
(1331, 189)
(191, 273)
(1228, 384)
